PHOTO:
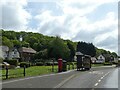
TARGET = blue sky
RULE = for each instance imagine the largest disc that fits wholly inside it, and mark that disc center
(78, 20)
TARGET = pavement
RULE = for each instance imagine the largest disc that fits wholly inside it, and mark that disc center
(97, 77)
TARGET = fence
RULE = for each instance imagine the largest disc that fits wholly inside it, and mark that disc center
(6, 75)
(31, 71)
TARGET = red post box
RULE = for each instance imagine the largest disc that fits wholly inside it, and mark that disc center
(60, 65)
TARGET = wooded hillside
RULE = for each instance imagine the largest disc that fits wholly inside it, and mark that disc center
(49, 46)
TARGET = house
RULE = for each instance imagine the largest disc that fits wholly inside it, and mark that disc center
(100, 59)
(26, 54)
(14, 53)
(93, 59)
(4, 50)
(108, 57)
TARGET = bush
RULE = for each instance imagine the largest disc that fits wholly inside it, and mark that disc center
(55, 63)
(1, 60)
(107, 63)
(24, 63)
(39, 64)
(75, 63)
(12, 62)
(48, 63)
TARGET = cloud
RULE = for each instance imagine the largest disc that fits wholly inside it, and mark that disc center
(67, 18)
(74, 23)
(14, 15)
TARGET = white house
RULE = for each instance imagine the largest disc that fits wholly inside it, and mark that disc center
(100, 59)
(7, 53)
(93, 59)
(14, 53)
(4, 50)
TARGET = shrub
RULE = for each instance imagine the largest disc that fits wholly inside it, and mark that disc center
(107, 63)
(24, 63)
(1, 60)
(12, 62)
(55, 63)
(75, 63)
(48, 63)
(39, 64)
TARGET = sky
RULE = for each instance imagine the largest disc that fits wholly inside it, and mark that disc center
(94, 21)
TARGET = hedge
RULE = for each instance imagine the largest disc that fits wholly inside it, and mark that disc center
(39, 63)
(24, 63)
(12, 62)
(48, 63)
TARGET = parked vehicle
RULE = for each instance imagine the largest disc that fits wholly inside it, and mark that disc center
(83, 62)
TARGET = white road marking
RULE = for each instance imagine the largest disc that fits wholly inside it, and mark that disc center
(102, 77)
(99, 80)
(96, 84)
(63, 82)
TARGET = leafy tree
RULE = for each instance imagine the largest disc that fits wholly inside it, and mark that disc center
(6, 42)
(58, 49)
(16, 43)
(114, 54)
(86, 48)
(25, 44)
(72, 51)
(42, 54)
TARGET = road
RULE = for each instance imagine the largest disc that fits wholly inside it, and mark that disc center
(100, 77)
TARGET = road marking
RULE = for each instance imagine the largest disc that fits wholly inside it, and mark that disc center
(34, 77)
(102, 77)
(99, 80)
(96, 84)
(63, 82)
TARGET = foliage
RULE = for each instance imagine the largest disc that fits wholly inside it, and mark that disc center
(41, 54)
(72, 51)
(6, 42)
(57, 49)
(49, 63)
(39, 63)
(22, 64)
(49, 46)
(86, 48)
(12, 62)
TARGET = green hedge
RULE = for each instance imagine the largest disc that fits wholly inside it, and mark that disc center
(12, 62)
(39, 63)
(55, 63)
(48, 63)
(24, 63)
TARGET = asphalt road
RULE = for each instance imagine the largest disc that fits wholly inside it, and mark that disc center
(101, 77)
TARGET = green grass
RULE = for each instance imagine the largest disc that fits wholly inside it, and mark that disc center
(97, 65)
(31, 71)
(35, 71)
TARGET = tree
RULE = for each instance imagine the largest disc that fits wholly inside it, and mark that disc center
(16, 43)
(86, 48)
(6, 42)
(114, 54)
(25, 44)
(72, 51)
(42, 54)
(57, 49)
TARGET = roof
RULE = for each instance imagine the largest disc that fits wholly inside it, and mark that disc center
(27, 50)
(106, 55)
(79, 53)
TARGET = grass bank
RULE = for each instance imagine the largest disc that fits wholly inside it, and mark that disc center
(31, 71)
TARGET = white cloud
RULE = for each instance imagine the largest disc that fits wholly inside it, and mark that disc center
(73, 23)
(14, 16)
